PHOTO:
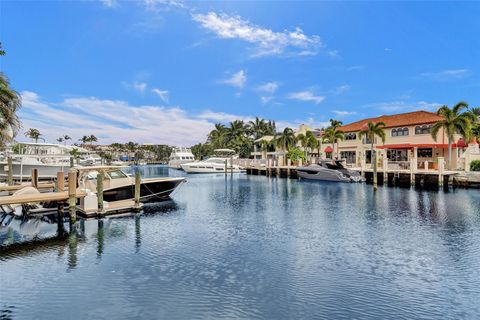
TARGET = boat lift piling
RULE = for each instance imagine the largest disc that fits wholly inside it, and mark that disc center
(100, 177)
(138, 179)
(72, 197)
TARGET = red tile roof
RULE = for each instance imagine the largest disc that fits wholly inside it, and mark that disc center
(395, 120)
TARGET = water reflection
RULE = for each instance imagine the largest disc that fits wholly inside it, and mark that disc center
(255, 247)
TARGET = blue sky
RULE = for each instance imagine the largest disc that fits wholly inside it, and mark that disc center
(166, 71)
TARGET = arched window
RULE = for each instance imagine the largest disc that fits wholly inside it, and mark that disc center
(398, 132)
(350, 136)
(423, 129)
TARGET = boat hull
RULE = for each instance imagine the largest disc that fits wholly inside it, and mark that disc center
(322, 175)
(150, 190)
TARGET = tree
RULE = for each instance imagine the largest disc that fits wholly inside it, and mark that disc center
(312, 143)
(454, 122)
(286, 139)
(75, 153)
(218, 136)
(66, 137)
(257, 127)
(335, 123)
(2, 52)
(371, 130)
(295, 154)
(60, 139)
(10, 102)
(33, 134)
(332, 134)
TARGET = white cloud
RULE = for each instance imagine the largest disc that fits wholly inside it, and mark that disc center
(341, 89)
(109, 3)
(112, 121)
(306, 96)
(451, 74)
(403, 106)
(269, 87)
(222, 116)
(266, 41)
(138, 86)
(266, 99)
(311, 122)
(237, 80)
(344, 113)
(163, 94)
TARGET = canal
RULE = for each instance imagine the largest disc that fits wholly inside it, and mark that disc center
(253, 247)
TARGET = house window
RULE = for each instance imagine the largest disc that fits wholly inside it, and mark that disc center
(425, 129)
(367, 140)
(424, 153)
(397, 155)
(350, 136)
(350, 156)
(399, 132)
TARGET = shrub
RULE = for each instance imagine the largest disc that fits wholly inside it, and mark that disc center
(475, 165)
(295, 154)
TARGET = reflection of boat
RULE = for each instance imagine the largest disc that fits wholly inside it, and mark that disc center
(214, 164)
(180, 156)
(329, 170)
(117, 185)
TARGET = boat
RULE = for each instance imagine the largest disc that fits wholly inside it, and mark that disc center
(117, 185)
(47, 158)
(329, 170)
(180, 156)
(224, 158)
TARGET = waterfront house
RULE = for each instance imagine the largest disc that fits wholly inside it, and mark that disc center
(408, 142)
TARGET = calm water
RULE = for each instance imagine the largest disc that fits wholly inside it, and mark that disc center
(254, 248)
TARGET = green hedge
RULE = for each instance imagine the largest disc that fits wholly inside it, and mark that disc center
(475, 165)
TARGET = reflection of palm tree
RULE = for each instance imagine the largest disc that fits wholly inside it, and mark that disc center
(454, 122)
(371, 130)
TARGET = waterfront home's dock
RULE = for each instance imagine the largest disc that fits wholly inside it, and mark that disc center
(385, 176)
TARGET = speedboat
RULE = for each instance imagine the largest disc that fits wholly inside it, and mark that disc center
(180, 156)
(117, 185)
(329, 170)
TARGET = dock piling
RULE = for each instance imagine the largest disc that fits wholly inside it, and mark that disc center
(72, 199)
(138, 179)
(10, 171)
(35, 177)
(100, 177)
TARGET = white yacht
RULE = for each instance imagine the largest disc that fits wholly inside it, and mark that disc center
(47, 158)
(180, 156)
(214, 164)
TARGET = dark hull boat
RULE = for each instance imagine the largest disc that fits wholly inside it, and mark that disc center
(150, 190)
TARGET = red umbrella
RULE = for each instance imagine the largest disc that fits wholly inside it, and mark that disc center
(328, 149)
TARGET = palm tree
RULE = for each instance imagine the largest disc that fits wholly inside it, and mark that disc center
(257, 127)
(10, 102)
(218, 136)
(33, 134)
(332, 134)
(307, 141)
(60, 139)
(286, 139)
(335, 123)
(371, 130)
(454, 122)
(75, 153)
(84, 139)
(65, 138)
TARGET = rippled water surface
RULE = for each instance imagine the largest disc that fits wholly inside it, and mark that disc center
(255, 248)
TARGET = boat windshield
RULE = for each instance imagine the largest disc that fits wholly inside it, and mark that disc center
(117, 174)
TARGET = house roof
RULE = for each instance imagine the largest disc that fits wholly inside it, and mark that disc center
(395, 120)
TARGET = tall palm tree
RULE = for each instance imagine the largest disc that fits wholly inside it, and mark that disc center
(10, 102)
(286, 139)
(303, 139)
(66, 137)
(371, 130)
(257, 127)
(332, 134)
(217, 137)
(335, 123)
(60, 139)
(454, 122)
(33, 134)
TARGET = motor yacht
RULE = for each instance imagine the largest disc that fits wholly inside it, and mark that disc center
(215, 164)
(329, 170)
(180, 156)
(47, 158)
(118, 185)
